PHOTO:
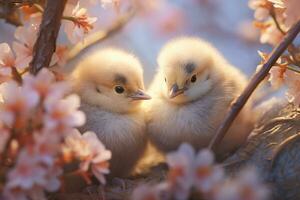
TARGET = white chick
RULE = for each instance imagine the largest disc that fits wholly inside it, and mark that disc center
(191, 94)
(110, 84)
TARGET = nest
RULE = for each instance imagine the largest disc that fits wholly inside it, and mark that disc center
(273, 148)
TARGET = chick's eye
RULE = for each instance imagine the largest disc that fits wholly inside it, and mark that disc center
(194, 79)
(165, 79)
(119, 89)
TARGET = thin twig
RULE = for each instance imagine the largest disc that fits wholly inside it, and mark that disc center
(99, 36)
(46, 41)
(238, 104)
(274, 17)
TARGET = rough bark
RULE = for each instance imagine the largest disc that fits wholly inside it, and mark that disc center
(46, 42)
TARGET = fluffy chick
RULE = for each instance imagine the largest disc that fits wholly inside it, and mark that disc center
(191, 93)
(110, 84)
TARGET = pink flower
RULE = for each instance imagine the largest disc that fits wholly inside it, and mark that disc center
(36, 193)
(181, 168)
(207, 174)
(292, 11)
(247, 31)
(246, 185)
(52, 178)
(261, 9)
(115, 3)
(271, 35)
(81, 24)
(17, 103)
(61, 54)
(26, 174)
(44, 84)
(30, 177)
(276, 76)
(62, 115)
(7, 61)
(277, 3)
(146, 192)
(172, 20)
(24, 47)
(292, 80)
(261, 14)
(91, 152)
(46, 147)
(254, 4)
(145, 8)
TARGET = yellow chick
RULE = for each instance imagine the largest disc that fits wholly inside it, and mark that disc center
(191, 94)
(110, 84)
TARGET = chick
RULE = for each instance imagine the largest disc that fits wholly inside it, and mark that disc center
(110, 84)
(191, 94)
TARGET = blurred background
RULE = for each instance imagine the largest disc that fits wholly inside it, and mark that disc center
(225, 24)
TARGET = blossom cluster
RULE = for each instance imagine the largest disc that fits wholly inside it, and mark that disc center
(37, 135)
(39, 115)
(190, 171)
(274, 18)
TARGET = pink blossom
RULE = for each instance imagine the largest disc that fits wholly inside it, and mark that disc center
(17, 103)
(27, 173)
(292, 11)
(52, 178)
(61, 54)
(254, 4)
(292, 80)
(246, 185)
(261, 9)
(35, 193)
(247, 31)
(271, 35)
(61, 115)
(146, 192)
(145, 8)
(44, 84)
(181, 168)
(7, 61)
(30, 177)
(261, 14)
(46, 147)
(171, 21)
(115, 3)
(26, 37)
(276, 76)
(81, 24)
(92, 153)
(277, 3)
(207, 174)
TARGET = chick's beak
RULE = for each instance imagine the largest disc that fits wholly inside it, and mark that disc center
(140, 95)
(175, 91)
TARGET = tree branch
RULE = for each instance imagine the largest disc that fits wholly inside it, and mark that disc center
(238, 104)
(46, 41)
(99, 36)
